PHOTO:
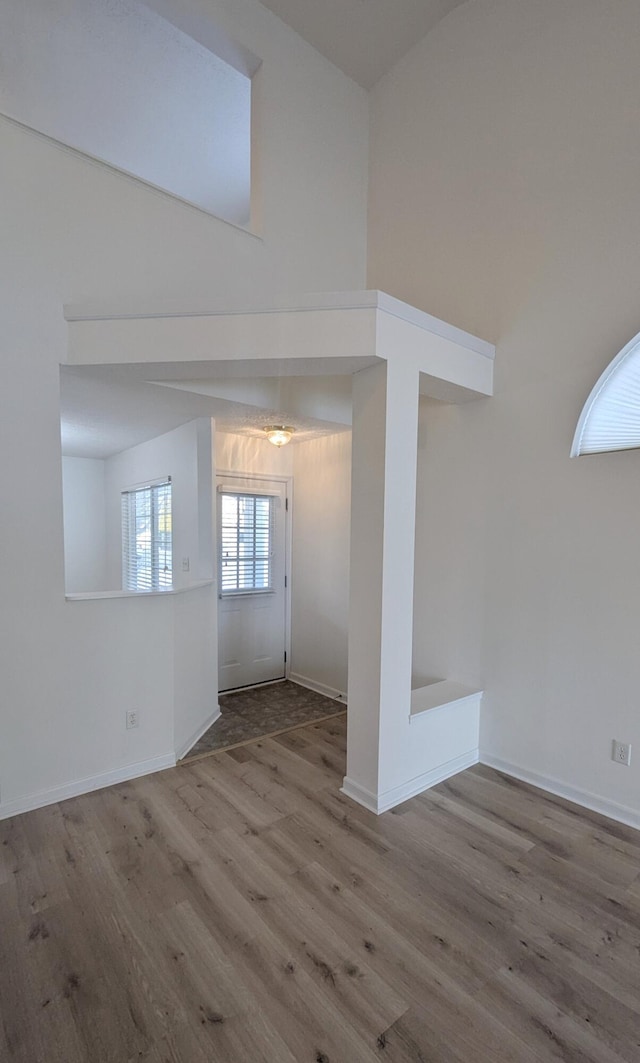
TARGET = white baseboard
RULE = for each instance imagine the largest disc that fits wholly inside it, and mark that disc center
(358, 793)
(85, 786)
(611, 809)
(197, 734)
(388, 799)
(319, 688)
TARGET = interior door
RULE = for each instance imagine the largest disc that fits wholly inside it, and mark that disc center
(251, 573)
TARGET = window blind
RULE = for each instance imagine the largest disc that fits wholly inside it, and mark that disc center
(610, 419)
(246, 535)
(147, 538)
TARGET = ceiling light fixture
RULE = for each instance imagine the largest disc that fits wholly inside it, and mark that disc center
(278, 434)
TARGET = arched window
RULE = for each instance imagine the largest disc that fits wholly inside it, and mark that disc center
(610, 419)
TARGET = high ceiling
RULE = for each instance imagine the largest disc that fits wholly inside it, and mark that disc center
(364, 38)
(106, 411)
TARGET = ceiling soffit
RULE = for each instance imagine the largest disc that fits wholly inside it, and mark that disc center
(270, 362)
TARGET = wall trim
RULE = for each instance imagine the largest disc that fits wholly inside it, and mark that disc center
(85, 786)
(611, 809)
(388, 799)
(198, 733)
(319, 688)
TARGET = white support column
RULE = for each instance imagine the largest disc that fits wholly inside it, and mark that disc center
(383, 508)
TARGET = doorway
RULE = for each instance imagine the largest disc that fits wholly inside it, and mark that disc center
(263, 712)
(252, 526)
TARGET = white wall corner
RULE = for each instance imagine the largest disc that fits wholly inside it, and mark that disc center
(339, 696)
(358, 793)
(388, 799)
(198, 733)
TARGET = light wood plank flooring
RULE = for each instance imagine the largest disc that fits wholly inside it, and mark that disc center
(241, 909)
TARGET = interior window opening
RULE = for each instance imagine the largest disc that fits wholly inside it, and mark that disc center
(148, 93)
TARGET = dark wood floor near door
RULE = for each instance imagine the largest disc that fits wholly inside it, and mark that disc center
(240, 909)
(270, 709)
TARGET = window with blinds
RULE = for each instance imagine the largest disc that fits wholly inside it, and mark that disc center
(610, 419)
(246, 533)
(146, 538)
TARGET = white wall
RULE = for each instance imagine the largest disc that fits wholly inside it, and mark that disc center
(73, 232)
(504, 198)
(320, 560)
(121, 83)
(249, 454)
(85, 542)
(173, 454)
(186, 454)
(195, 665)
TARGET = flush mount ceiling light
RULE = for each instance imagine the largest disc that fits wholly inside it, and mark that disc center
(278, 434)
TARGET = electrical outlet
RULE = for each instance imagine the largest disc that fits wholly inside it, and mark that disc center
(621, 752)
(185, 564)
(133, 719)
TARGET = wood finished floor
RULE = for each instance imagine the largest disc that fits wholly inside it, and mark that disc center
(241, 909)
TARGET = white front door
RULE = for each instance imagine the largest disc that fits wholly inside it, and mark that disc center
(251, 573)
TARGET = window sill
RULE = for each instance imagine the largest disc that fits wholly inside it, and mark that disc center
(87, 596)
(439, 695)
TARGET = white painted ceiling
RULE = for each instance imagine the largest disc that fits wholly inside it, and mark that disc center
(364, 38)
(106, 409)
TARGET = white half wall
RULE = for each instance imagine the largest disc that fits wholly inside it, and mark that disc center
(85, 534)
(186, 455)
(504, 198)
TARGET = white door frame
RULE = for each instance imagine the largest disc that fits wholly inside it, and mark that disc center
(288, 482)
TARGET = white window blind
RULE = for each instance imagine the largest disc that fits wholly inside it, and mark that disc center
(146, 538)
(246, 535)
(610, 419)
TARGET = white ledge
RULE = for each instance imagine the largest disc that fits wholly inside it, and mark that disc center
(439, 694)
(88, 596)
(370, 299)
(341, 332)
